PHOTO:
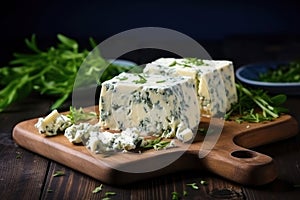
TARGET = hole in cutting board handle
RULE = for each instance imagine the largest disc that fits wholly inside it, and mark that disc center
(243, 154)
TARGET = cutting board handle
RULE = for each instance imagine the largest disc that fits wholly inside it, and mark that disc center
(240, 165)
(232, 158)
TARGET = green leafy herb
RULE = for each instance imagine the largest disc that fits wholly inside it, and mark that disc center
(97, 189)
(173, 64)
(203, 182)
(162, 81)
(194, 61)
(156, 143)
(58, 173)
(202, 131)
(52, 71)
(283, 73)
(79, 115)
(193, 185)
(19, 155)
(186, 65)
(175, 196)
(205, 131)
(108, 194)
(187, 62)
(142, 79)
(123, 78)
(185, 193)
(255, 105)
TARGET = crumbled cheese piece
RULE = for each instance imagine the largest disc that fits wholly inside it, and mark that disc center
(102, 141)
(80, 132)
(53, 123)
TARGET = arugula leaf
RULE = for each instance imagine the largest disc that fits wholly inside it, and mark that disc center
(185, 193)
(52, 71)
(255, 105)
(97, 189)
(67, 41)
(58, 173)
(142, 80)
(79, 115)
(175, 196)
(157, 143)
(193, 185)
(203, 182)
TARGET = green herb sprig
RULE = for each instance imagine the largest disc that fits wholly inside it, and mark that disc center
(108, 194)
(79, 115)
(58, 173)
(142, 79)
(175, 196)
(98, 189)
(157, 143)
(51, 71)
(283, 73)
(188, 62)
(255, 105)
(193, 185)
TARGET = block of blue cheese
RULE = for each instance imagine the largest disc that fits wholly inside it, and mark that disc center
(214, 80)
(154, 104)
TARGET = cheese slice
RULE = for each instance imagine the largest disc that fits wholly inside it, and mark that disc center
(154, 104)
(214, 80)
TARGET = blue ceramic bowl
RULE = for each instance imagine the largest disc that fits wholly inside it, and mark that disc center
(249, 75)
(121, 62)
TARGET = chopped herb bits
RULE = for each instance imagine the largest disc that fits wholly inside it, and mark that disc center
(98, 189)
(58, 173)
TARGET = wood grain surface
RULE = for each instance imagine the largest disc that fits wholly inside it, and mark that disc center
(230, 158)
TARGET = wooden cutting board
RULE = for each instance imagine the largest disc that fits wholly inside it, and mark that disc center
(230, 158)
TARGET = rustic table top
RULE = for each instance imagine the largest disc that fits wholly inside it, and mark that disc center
(26, 175)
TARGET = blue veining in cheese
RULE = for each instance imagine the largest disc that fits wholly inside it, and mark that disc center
(154, 104)
(80, 132)
(214, 80)
(53, 123)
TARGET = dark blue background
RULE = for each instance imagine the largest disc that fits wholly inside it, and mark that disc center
(205, 21)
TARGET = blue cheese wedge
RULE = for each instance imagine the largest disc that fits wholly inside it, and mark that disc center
(214, 80)
(154, 104)
(53, 123)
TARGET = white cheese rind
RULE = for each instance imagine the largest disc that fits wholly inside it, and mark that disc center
(157, 105)
(214, 80)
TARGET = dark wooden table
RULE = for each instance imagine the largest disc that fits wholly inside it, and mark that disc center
(26, 175)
